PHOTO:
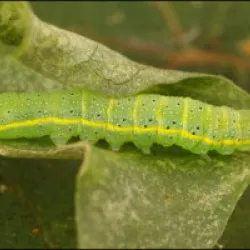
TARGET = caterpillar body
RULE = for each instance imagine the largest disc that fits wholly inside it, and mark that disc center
(142, 119)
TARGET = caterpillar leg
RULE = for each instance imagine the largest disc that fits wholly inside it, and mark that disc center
(60, 139)
(225, 150)
(60, 135)
(89, 138)
(115, 147)
(146, 151)
(144, 148)
(199, 148)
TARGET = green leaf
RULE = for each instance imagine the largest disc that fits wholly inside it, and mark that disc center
(172, 200)
(213, 90)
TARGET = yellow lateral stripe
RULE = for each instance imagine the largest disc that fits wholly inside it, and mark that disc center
(62, 121)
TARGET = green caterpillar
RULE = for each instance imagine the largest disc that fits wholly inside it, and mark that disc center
(143, 119)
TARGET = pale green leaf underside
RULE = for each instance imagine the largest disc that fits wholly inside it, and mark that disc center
(174, 200)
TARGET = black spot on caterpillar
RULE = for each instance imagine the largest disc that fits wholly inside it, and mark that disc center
(143, 119)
